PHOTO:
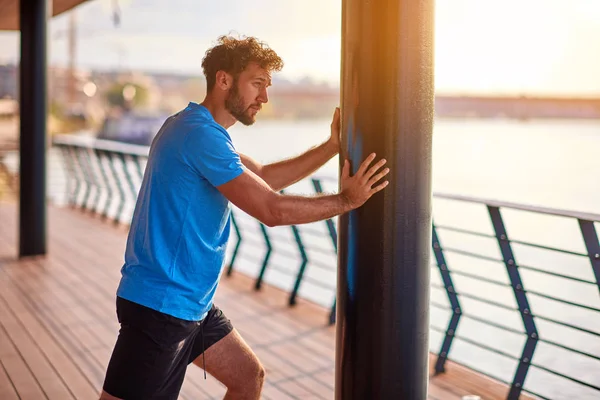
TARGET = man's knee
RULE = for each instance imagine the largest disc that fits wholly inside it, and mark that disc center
(253, 378)
(257, 373)
(261, 373)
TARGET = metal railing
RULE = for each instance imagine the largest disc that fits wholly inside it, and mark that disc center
(523, 311)
(524, 296)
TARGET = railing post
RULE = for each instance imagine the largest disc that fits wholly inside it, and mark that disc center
(134, 192)
(238, 235)
(303, 264)
(93, 180)
(522, 302)
(334, 239)
(111, 164)
(263, 269)
(87, 176)
(100, 154)
(77, 172)
(71, 175)
(452, 298)
(329, 222)
(138, 166)
(71, 154)
(590, 237)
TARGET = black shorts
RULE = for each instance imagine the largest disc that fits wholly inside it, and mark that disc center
(154, 349)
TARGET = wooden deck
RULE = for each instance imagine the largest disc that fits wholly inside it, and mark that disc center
(58, 323)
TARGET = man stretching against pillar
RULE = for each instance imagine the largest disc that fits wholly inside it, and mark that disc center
(180, 227)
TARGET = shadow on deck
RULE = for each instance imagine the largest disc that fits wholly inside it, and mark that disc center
(58, 323)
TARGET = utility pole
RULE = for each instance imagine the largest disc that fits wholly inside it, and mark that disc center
(72, 43)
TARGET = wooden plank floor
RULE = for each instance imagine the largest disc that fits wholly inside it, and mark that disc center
(58, 323)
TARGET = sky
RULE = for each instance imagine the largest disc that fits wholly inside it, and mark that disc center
(481, 46)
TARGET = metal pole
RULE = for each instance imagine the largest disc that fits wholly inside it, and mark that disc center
(32, 211)
(384, 246)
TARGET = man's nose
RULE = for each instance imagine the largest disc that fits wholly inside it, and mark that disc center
(263, 96)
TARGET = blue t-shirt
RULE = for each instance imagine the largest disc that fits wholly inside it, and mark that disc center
(180, 227)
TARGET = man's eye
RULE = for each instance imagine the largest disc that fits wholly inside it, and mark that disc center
(257, 84)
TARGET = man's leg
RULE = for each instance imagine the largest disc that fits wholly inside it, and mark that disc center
(235, 365)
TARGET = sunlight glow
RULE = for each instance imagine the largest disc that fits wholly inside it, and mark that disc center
(481, 46)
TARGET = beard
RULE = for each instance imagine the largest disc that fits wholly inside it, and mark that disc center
(235, 105)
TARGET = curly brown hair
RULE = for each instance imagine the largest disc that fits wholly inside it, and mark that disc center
(233, 56)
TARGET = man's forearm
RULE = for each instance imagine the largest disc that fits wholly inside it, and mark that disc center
(284, 173)
(294, 210)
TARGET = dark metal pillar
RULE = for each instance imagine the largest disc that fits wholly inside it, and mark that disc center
(384, 246)
(32, 212)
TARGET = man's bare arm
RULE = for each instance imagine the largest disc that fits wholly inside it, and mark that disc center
(254, 196)
(284, 173)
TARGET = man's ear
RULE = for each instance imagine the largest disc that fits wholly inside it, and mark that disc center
(224, 80)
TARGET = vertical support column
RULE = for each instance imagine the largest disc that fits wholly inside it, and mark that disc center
(32, 109)
(522, 303)
(384, 246)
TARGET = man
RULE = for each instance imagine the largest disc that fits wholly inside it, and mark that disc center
(180, 228)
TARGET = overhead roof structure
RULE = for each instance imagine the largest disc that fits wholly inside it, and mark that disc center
(9, 12)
